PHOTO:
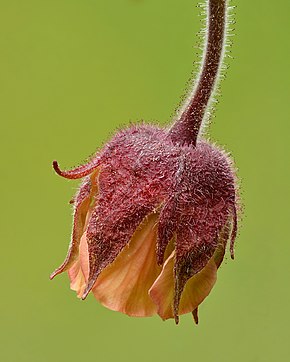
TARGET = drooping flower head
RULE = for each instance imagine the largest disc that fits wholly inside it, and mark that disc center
(156, 208)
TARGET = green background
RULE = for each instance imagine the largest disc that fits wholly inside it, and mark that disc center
(71, 72)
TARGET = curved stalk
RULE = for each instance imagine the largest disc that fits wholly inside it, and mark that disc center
(78, 172)
(186, 129)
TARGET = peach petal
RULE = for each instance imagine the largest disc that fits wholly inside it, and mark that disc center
(84, 257)
(79, 272)
(221, 248)
(123, 286)
(77, 279)
(81, 211)
(162, 291)
(196, 289)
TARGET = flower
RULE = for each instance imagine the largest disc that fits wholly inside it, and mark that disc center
(151, 223)
(155, 210)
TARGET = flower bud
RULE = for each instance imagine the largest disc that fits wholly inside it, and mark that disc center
(151, 217)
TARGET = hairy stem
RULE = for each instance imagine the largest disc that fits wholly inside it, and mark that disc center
(188, 125)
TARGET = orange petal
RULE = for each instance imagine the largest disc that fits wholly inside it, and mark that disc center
(123, 286)
(81, 211)
(196, 289)
(79, 272)
(221, 248)
(77, 279)
(162, 291)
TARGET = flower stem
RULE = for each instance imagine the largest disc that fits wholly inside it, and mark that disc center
(188, 125)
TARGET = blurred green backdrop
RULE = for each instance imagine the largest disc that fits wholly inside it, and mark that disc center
(72, 72)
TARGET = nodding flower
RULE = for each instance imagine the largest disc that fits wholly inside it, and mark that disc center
(156, 207)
